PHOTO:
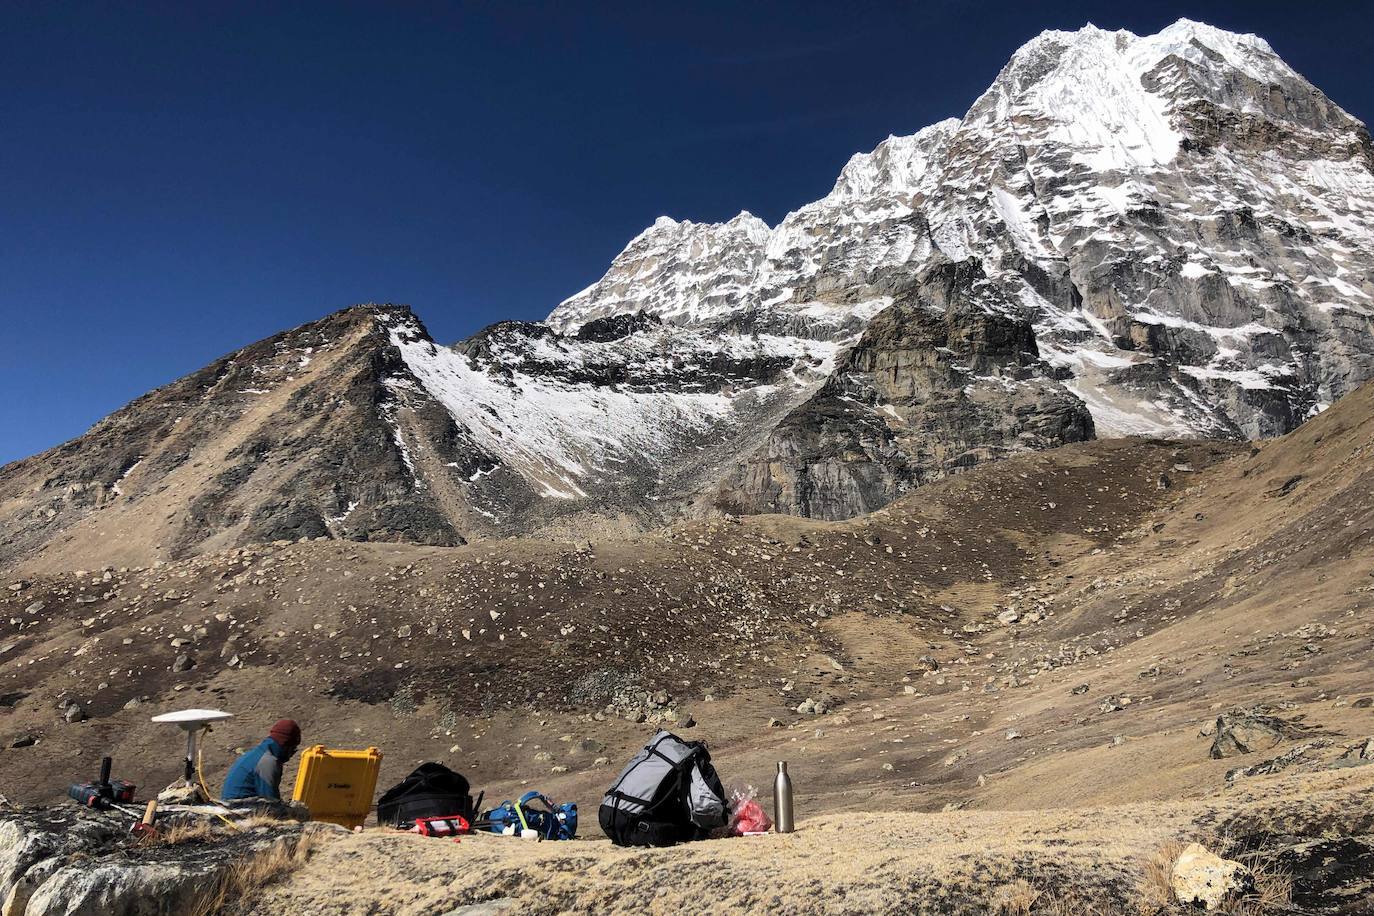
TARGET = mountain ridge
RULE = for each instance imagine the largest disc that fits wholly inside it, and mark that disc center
(1164, 235)
(1173, 64)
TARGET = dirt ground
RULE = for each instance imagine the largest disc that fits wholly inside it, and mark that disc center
(1047, 635)
(1060, 860)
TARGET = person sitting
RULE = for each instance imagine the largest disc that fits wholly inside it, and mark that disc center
(257, 773)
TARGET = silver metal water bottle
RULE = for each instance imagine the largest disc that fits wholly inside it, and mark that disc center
(782, 800)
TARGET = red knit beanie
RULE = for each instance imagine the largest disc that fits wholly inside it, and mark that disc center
(286, 733)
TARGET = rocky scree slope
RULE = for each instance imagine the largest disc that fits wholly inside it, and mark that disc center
(418, 645)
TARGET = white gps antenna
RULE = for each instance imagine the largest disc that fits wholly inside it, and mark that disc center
(193, 721)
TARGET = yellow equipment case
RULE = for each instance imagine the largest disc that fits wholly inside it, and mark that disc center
(337, 786)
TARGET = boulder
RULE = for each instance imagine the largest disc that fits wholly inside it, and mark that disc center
(1202, 877)
(1278, 764)
(1244, 731)
(487, 907)
(1242, 738)
(1114, 703)
(1357, 755)
(31, 836)
(16, 903)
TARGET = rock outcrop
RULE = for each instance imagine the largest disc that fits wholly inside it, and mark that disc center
(69, 861)
(1244, 731)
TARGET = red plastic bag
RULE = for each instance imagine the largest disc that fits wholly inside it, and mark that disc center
(746, 814)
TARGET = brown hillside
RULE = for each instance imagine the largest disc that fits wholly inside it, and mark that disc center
(1154, 585)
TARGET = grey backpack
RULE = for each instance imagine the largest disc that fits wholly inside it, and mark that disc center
(668, 793)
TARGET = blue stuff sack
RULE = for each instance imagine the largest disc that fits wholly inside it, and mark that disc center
(534, 812)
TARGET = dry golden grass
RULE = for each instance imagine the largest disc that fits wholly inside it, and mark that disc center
(1044, 862)
(255, 872)
(1063, 906)
(1273, 889)
(1015, 899)
(1023, 898)
(179, 833)
(1156, 891)
(269, 819)
(1273, 892)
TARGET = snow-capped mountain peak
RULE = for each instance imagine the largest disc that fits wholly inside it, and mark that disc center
(898, 166)
(1177, 213)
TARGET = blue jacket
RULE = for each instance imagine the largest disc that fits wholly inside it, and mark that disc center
(256, 774)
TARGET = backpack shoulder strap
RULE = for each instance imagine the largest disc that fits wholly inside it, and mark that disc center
(652, 750)
(520, 813)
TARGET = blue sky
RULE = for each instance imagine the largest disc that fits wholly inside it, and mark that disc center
(180, 179)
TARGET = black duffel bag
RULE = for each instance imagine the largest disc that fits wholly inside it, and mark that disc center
(433, 790)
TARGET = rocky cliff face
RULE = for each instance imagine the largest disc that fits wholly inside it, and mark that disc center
(627, 416)
(1163, 235)
(926, 391)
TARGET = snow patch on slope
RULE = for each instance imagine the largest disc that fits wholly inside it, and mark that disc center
(560, 435)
